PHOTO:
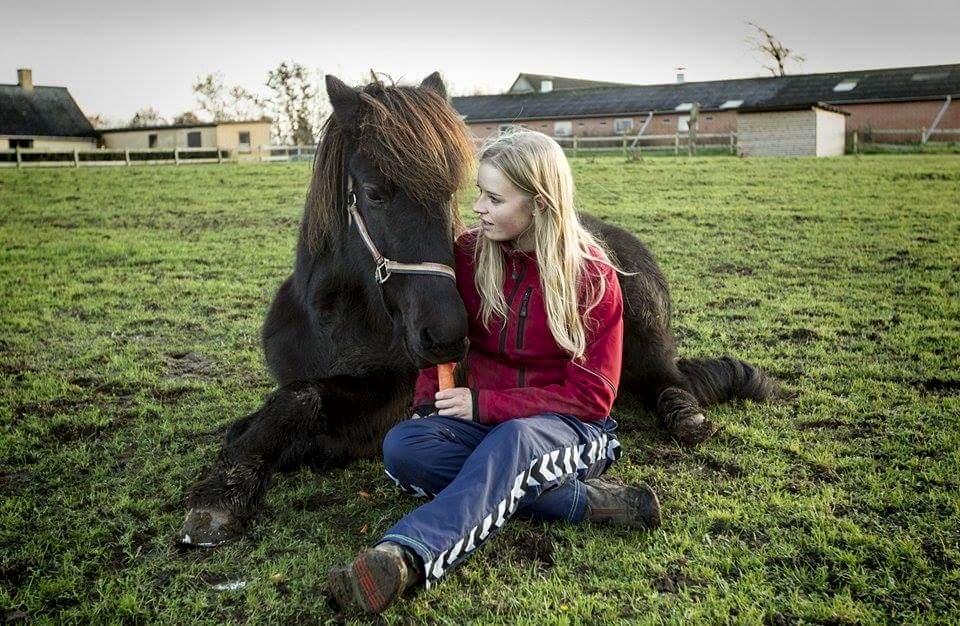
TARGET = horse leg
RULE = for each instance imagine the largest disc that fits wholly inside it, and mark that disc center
(289, 427)
(650, 370)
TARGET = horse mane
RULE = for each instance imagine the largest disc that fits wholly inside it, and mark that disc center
(412, 135)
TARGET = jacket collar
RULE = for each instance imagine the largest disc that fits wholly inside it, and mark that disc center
(512, 252)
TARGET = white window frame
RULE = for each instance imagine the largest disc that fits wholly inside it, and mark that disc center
(683, 123)
(620, 122)
(546, 86)
(566, 126)
(731, 104)
(847, 84)
(684, 106)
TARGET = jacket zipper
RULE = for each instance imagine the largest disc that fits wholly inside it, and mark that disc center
(523, 316)
(513, 294)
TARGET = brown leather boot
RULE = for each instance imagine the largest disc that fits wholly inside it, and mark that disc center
(622, 505)
(377, 577)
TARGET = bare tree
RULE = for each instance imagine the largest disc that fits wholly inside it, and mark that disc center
(772, 50)
(147, 117)
(226, 104)
(97, 120)
(210, 94)
(296, 102)
(186, 118)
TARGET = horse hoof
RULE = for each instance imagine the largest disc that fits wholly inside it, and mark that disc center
(695, 429)
(208, 528)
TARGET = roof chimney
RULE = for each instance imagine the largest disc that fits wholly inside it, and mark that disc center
(25, 79)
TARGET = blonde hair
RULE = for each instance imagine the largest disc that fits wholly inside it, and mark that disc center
(537, 166)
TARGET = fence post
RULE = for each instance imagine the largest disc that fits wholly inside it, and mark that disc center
(219, 156)
(856, 142)
(732, 149)
(176, 156)
(923, 135)
(624, 145)
(76, 158)
(19, 160)
(126, 156)
(260, 153)
(676, 144)
(575, 145)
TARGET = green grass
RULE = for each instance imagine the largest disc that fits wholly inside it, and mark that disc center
(129, 326)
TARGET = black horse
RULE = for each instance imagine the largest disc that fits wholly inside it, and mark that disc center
(348, 331)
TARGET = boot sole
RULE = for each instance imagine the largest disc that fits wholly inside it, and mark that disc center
(371, 583)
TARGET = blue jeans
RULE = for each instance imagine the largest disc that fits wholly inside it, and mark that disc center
(478, 476)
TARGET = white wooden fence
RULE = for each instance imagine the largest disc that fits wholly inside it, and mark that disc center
(676, 143)
(29, 157)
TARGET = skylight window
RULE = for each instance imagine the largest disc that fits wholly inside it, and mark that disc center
(845, 85)
(731, 104)
(930, 75)
(685, 106)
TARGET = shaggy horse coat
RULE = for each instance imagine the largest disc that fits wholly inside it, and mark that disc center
(345, 350)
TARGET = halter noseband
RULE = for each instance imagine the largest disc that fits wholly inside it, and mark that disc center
(386, 267)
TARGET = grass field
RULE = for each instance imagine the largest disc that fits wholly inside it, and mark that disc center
(129, 325)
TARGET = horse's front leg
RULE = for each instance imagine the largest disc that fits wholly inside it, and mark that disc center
(292, 427)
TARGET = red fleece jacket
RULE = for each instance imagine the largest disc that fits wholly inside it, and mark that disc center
(517, 369)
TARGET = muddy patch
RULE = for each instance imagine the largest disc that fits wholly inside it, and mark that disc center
(939, 386)
(188, 365)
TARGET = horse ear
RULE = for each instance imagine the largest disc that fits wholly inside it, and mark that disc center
(434, 82)
(345, 101)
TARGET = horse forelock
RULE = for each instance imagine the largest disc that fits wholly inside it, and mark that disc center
(416, 139)
(412, 135)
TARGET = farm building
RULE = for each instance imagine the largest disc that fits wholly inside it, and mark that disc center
(801, 130)
(919, 99)
(242, 137)
(40, 117)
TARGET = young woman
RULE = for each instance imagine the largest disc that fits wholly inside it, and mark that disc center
(531, 433)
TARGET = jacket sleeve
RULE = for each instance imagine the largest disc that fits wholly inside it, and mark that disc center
(590, 386)
(425, 392)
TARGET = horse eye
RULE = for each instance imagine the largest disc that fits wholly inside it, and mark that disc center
(374, 196)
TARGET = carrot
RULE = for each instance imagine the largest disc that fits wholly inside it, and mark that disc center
(445, 375)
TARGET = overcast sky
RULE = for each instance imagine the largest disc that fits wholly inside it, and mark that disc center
(117, 57)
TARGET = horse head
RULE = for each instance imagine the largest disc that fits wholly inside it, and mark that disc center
(388, 167)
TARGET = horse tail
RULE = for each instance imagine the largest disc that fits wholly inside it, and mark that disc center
(714, 381)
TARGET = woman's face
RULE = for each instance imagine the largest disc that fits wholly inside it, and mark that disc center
(504, 211)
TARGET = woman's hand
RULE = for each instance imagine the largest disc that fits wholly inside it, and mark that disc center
(456, 402)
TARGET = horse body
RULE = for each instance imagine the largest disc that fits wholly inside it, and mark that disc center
(345, 348)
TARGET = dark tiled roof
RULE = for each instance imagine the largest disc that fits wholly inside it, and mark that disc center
(46, 111)
(561, 83)
(903, 83)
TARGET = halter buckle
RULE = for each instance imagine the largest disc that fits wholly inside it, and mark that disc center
(382, 272)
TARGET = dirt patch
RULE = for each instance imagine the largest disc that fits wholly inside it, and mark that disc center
(665, 455)
(939, 386)
(525, 545)
(188, 365)
(672, 582)
(722, 467)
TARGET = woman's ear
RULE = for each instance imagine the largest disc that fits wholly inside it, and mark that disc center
(539, 205)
